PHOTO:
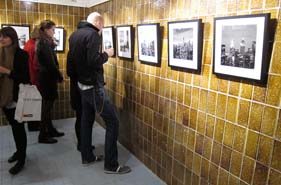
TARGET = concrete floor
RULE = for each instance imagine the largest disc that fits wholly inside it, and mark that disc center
(60, 163)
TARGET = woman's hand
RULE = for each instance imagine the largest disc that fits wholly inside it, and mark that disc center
(4, 70)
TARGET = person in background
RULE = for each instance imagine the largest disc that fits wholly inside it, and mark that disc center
(13, 71)
(29, 47)
(75, 97)
(49, 76)
(88, 60)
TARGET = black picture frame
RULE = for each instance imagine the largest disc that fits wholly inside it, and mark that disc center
(149, 50)
(240, 47)
(185, 44)
(23, 32)
(59, 39)
(125, 44)
(108, 40)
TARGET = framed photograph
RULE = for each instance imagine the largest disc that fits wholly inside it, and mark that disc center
(148, 43)
(125, 42)
(185, 44)
(108, 38)
(59, 39)
(23, 32)
(240, 46)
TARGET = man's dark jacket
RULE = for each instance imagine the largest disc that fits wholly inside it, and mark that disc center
(75, 97)
(84, 58)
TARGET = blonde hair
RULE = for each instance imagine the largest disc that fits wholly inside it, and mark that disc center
(35, 33)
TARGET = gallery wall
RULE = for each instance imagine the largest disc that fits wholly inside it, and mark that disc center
(193, 128)
(22, 13)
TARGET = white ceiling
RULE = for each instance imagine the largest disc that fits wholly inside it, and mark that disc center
(79, 3)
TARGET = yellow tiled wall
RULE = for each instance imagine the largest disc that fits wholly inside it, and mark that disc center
(196, 128)
(15, 12)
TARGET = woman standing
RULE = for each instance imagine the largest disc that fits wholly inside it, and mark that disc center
(13, 71)
(49, 76)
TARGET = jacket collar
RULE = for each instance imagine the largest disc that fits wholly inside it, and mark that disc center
(90, 26)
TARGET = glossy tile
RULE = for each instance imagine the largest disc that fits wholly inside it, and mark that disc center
(274, 177)
(231, 109)
(239, 138)
(225, 158)
(260, 174)
(265, 150)
(252, 144)
(219, 130)
(243, 112)
(235, 163)
(269, 121)
(247, 169)
(276, 163)
(256, 116)
(221, 105)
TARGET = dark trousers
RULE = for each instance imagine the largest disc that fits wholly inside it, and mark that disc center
(18, 133)
(33, 125)
(46, 117)
(96, 100)
(78, 125)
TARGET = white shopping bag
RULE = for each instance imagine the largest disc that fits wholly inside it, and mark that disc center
(29, 104)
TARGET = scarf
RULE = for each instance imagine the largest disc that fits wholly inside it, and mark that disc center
(6, 83)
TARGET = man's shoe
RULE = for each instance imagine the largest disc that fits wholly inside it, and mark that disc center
(118, 170)
(17, 168)
(13, 158)
(47, 140)
(97, 158)
(54, 133)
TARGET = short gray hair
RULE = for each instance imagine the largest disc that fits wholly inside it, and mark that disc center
(93, 17)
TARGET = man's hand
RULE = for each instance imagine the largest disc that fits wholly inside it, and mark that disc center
(4, 70)
(109, 52)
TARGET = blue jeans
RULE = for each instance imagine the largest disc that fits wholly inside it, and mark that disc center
(96, 100)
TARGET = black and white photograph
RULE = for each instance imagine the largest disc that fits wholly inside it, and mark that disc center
(124, 41)
(240, 46)
(59, 38)
(107, 38)
(23, 32)
(185, 44)
(148, 43)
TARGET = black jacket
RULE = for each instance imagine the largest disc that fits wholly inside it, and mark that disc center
(20, 73)
(75, 97)
(49, 74)
(85, 59)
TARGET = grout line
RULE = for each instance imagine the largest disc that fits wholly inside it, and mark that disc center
(207, 114)
(191, 85)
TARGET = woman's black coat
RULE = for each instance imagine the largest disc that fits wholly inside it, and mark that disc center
(49, 74)
(20, 73)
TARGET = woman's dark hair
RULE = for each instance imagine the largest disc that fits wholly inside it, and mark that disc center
(46, 24)
(10, 32)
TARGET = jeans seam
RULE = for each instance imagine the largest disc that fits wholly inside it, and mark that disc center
(95, 103)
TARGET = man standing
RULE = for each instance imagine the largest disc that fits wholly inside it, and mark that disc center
(75, 97)
(85, 54)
